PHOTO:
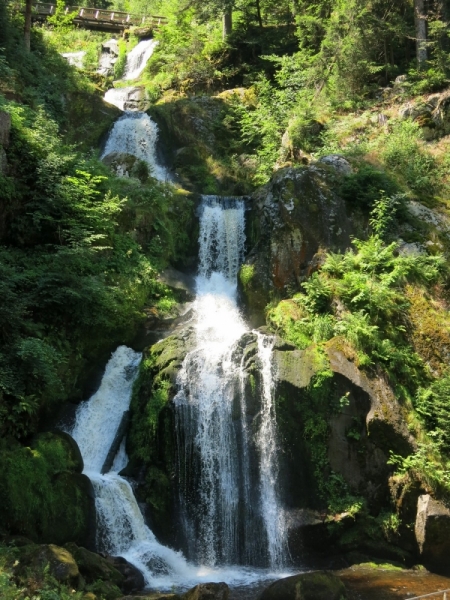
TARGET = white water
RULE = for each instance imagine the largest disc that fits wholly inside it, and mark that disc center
(229, 522)
(137, 59)
(121, 529)
(136, 134)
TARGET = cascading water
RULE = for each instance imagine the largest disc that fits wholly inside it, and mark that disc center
(137, 59)
(134, 133)
(121, 529)
(234, 514)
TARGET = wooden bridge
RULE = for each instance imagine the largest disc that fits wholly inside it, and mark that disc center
(97, 18)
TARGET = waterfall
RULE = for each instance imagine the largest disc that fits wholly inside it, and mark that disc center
(121, 529)
(137, 59)
(136, 134)
(234, 513)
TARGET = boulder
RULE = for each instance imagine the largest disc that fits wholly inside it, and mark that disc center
(319, 585)
(291, 222)
(339, 163)
(57, 561)
(432, 529)
(432, 114)
(132, 579)
(208, 591)
(92, 566)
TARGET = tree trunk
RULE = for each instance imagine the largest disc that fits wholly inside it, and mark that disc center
(421, 33)
(27, 28)
(258, 12)
(227, 23)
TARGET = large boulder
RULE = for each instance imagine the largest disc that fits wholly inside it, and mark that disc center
(319, 585)
(432, 530)
(92, 566)
(291, 222)
(48, 558)
(432, 114)
(132, 579)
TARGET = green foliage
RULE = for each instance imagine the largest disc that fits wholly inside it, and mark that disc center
(403, 155)
(39, 498)
(432, 405)
(363, 187)
(246, 274)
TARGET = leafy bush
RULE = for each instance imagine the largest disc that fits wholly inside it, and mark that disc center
(363, 188)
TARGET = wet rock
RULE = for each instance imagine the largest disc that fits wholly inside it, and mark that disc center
(319, 585)
(339, 163)
(108, 57)
(181, 282)
(132, 579)
(208, 591)
(432, 529)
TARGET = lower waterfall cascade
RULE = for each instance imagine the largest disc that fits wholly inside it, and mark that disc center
(204, 406)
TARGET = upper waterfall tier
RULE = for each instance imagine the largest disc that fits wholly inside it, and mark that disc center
(138, 58)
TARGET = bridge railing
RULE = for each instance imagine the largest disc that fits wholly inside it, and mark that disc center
(82, 13)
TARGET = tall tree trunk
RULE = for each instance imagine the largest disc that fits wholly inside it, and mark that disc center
(27, 28)
(258, 12)
(227, 23)
(421, 33)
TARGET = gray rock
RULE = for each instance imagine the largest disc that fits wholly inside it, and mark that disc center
(74, 58)
(338, 162)
(432, 529)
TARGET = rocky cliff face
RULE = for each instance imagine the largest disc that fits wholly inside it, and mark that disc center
(291, 222)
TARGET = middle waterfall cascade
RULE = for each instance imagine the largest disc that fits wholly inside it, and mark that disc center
(232, 516)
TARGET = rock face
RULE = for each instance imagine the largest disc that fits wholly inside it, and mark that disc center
(291, 221)
(108, 57)
(432, 531)
(320, 585)
(432, 114)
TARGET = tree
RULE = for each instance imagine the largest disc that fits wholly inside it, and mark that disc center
(421, 33)
(27, 28)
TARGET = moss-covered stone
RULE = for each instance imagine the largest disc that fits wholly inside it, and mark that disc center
(43, 494)
(92, 566)
(319, 585)
(151, 440)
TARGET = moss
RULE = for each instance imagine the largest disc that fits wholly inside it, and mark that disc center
(246, 274)
(430, 333)
(42, 495)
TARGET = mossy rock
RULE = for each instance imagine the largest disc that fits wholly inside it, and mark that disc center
(93, 566)
(319, 585)
(43, 495)
(37, 560)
